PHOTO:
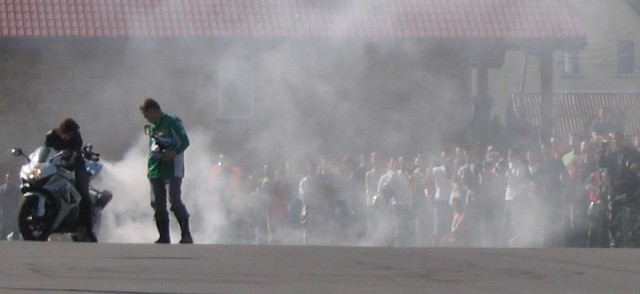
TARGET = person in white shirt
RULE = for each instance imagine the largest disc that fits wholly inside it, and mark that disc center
(404, 225)
(442, 213)
(518, 181)
(383, 231)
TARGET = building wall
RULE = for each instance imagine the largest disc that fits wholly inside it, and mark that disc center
(100, 83)
(606, 22)
(288, 97)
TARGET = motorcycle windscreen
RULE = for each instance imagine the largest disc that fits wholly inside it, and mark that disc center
(41, 154)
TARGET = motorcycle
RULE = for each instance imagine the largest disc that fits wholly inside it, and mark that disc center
(51, 203)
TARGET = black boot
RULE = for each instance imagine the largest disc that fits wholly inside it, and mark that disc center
(163, 230)
(87, 220)
(91, 237)
(186, 232)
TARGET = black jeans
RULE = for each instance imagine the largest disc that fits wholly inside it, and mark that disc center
(82, 185)
(159, 198)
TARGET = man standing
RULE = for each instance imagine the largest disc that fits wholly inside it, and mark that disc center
(10, 198)
(516, 197)
(167, 142)
(549, 180)
(570, 158)
(442, 214)
(372, 178)
(605, 124)
(622, 163)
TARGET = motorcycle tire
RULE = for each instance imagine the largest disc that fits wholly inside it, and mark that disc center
(32, 227)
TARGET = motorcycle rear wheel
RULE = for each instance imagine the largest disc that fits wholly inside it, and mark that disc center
(33, 227)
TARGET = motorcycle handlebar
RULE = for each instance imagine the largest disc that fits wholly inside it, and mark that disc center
(87, 152)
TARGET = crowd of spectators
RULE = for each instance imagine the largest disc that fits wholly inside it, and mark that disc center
(580, 191)
(535, 195)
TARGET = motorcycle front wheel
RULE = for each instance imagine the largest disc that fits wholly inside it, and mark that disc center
(34, 227)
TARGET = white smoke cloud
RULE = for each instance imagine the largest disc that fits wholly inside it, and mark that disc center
(129, 216)
(314, 99)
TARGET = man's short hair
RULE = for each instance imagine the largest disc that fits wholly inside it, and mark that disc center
(150, 104)
(68, 126)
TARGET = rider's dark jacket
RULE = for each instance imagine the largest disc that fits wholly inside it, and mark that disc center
(55, 141)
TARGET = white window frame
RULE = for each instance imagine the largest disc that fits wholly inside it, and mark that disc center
(571, 65)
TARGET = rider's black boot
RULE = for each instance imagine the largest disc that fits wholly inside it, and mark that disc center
(186, 232)
(87, 220)
(91, 237)
(163, 230)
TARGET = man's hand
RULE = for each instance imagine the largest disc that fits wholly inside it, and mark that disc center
(168, 155)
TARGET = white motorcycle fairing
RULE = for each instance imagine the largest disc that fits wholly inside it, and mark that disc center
(51, 203)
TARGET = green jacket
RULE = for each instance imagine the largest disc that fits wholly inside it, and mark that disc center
(168, 129)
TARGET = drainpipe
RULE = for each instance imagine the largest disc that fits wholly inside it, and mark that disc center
(546, 95)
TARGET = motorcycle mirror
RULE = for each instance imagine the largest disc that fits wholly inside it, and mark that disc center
(17, 151)
(147, 128)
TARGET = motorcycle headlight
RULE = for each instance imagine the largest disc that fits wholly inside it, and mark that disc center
(35, 174)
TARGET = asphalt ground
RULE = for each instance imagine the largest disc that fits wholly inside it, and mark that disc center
(62, 267)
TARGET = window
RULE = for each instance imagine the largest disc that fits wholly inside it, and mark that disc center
(626, 57)
(236, 79)
(570, 64)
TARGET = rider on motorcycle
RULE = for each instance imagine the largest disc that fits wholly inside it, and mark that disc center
(67, 137)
